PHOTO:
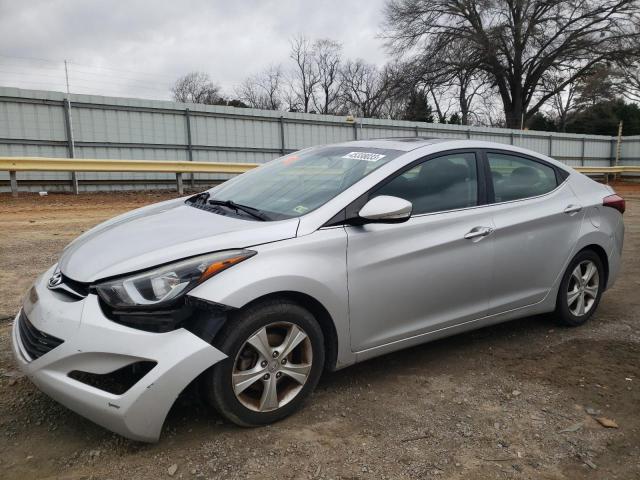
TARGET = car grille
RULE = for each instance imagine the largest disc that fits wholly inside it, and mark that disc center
(72, 289)
(79, 288)
(35, 342)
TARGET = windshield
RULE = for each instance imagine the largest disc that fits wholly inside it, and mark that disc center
(298, 183)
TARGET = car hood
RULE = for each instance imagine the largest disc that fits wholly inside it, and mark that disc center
(161, 233)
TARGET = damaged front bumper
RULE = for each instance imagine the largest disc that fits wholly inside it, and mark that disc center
(54, 336)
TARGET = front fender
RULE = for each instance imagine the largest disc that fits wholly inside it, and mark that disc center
(314, 265)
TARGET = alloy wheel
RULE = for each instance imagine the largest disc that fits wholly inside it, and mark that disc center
(272, 367)
(583, 288)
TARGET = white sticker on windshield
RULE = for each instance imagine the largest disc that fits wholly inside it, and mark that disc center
(366, 156)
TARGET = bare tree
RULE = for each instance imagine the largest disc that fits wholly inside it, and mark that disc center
(470, 84)
(364, 88)
(290, 96)
(263, 90)
(196, 87)
(630, 85)
(563, 100)
(402, 99)
(517, 42)
(394, 108)
(601, 83)
(451, 76)
(305, 77)
(489, 111)
(442, 103)
(327, 56)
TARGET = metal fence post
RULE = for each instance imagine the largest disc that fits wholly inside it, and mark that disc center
(283, 147)
(70, 143)
(584, 139)
(511, 137)
(417, 132)
(468, 133)
(355, 130)
(13, 179)
(179, 183)
(187, 118)
(550, 145)
(612, 154)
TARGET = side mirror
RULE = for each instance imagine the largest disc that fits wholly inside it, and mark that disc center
(386, 209)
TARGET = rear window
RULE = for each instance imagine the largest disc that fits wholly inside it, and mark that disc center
(516, 177)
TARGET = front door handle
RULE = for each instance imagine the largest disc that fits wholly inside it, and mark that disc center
(477, 232)
(571, 209)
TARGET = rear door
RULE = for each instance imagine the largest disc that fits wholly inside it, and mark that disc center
(430, 272)
(537, 221)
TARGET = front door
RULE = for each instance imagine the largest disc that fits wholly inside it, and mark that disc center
(429, 273)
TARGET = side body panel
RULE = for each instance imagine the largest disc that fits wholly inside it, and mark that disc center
(313, 265)
(534, 239)
(411, 278)
(554, 242)
(602, 226)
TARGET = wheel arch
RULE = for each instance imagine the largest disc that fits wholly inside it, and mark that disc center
(602, 254)
(318, 310)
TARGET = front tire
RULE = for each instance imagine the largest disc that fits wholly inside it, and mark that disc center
(580, 290)
(275, 358)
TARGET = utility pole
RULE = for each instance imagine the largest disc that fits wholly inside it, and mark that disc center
(72, 147)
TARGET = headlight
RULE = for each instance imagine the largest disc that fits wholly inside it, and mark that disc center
(164, 284)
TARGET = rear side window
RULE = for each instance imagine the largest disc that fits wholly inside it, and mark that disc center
(517, 177)
(436, 185)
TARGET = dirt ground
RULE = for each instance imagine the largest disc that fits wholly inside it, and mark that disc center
(518, 400)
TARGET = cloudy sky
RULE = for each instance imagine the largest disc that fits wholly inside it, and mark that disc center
(138, 48)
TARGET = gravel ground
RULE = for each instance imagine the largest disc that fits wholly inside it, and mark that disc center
(518, 400)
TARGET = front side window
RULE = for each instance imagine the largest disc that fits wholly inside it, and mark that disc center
(303, 181)
(436, 185)
(517, 177)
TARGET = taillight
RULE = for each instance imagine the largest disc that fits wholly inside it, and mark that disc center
(614, 201)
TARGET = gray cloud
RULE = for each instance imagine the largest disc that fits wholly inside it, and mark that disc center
(137, 48)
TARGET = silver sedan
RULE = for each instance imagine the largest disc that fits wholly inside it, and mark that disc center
(312, 262)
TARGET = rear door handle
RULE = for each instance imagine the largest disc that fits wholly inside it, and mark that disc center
(571, 209)
(477, 232)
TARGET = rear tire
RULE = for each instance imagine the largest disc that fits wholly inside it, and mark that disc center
(580, 289)
(275, 358)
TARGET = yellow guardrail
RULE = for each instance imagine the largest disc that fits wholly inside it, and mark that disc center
(45, 164)
(609, 170)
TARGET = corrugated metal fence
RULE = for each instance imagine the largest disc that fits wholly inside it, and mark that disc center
(36, 123)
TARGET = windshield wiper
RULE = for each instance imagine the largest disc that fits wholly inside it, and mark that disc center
(199, 198)
(254, 212)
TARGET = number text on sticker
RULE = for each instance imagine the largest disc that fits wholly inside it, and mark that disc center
(369, 157)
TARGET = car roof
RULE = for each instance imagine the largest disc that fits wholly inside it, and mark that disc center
(408, 144)
(405, 144)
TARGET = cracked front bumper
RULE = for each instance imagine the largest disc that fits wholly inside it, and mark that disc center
(92, 343)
